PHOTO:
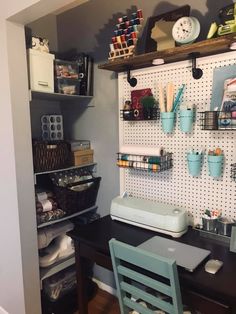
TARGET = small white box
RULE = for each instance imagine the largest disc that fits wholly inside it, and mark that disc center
(41, 71)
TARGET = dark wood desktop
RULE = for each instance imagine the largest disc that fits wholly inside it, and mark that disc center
(207, 293)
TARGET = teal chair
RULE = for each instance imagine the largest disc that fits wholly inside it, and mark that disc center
(139, 291)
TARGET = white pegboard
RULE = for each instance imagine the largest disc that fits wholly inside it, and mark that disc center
(176, 186)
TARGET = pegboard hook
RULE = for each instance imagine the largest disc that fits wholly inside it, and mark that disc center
(196, 72)
(131, 80)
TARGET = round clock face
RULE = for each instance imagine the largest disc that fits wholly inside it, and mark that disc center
(186, 30)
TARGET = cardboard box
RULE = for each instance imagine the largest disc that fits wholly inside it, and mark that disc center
(83, 157)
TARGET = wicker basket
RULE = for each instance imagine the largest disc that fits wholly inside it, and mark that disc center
(74, 201)
(51, 155)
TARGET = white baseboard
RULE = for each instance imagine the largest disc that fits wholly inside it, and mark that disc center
(2, 311)
(104, 287)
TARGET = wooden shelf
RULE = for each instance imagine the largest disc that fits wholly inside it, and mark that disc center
(57, 96)
(204, 48)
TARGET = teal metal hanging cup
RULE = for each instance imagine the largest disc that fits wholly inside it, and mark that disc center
(194, 164)
(215, 165)
(168, 121)
(186, 120)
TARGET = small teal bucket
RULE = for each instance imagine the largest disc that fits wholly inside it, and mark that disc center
(194, 164)
(186, 120)
(215, 165)
(167, 121)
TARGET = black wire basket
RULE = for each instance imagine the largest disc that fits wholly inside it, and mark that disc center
(148, 163)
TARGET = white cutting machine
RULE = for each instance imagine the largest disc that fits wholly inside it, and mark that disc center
(159, 217)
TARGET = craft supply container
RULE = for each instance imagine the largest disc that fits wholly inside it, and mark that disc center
(210, 224)
(194, 163)
(186, 120)
(215, 165)
(225, 226)
(168, 121)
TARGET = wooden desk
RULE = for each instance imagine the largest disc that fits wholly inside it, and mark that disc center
(209, 294)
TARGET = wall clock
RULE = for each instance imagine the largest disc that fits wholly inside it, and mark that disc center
(186, 30)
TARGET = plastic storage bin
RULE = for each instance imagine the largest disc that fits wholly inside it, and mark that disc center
(67, 86)
(60, 284)
(67, 77)
(41, 71)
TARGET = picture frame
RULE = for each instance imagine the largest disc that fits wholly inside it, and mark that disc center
(166, 22)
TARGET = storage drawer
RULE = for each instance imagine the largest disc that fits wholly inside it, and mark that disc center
(41, 71)
(204, 304)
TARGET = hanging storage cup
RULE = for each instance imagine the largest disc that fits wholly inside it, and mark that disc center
(194, 164)
(186, 120)
(168, 121)
(215, 165)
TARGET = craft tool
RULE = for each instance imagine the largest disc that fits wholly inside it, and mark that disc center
(178, 98)
(170, 96)
(161, 99)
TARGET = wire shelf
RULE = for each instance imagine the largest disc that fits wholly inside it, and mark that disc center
(148, 163)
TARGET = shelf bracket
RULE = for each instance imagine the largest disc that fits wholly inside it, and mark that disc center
(131, 80)
(196, 72)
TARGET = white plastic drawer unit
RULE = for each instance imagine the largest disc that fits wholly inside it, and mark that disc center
(41, 71)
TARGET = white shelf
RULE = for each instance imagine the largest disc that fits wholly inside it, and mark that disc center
(55, 268)
(64, 169)
(57, 96)
(45, 224)
(60, 170)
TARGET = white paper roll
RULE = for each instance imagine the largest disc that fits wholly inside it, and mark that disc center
(142, 150)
